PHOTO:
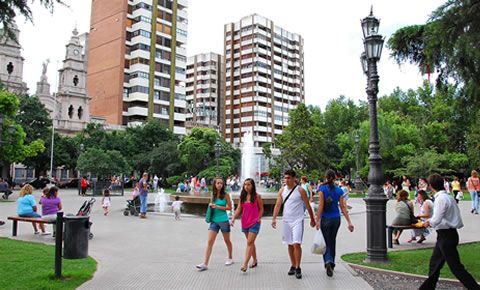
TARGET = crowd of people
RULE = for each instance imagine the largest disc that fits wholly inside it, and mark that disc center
(294, 200)
(437, 200)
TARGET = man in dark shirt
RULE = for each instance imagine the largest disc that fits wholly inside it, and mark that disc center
(143, 195)
(4, 188)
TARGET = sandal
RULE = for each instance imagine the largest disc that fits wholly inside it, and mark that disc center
(411, 240)
(396, 242)
(421, 240)
(243, 269)
(254, 264)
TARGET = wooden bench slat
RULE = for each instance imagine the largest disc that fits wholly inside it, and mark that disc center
(29, 219)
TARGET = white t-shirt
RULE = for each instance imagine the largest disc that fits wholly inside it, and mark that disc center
(177, 204)
(294, 208)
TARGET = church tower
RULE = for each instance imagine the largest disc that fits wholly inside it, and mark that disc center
(73, 111)
(11, 63)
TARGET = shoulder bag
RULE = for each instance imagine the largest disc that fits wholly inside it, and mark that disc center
(283, 203)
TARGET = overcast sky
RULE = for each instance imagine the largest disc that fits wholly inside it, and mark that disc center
(331, 31)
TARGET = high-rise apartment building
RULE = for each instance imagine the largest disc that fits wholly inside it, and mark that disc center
(264, 79)
(137, 61)
(205, 91)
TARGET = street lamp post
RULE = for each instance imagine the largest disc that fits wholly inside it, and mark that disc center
(217, 155)
(376, 200)
(79, 177)
(357, 180)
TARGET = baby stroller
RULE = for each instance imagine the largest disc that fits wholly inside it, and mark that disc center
(85, 210)
(133, 206)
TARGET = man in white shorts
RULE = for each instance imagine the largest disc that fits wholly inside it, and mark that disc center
(294, 200)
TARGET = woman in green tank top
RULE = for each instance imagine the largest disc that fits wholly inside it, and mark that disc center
(221, 202)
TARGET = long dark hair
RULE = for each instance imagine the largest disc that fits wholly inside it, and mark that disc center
(330, 178)
(52, 192)
(214, 189)
(244, 193)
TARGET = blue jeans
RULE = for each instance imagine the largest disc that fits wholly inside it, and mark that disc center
(474, 195)
(329, 227)
(143, 204)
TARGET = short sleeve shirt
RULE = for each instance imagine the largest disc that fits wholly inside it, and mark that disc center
(25, 204)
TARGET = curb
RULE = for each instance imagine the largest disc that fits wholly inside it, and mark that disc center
(351, 265)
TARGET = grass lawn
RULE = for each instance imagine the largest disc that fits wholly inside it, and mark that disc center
(416, 261)
(27, 265)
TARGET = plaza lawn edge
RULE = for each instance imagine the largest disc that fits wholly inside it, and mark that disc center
(351, 259)
(38, 256)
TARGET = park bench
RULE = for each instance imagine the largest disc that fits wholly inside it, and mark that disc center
(391, 228)
(17, 219)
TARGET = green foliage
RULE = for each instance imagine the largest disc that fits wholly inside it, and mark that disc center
(197, 153)
(14, 148)
(473, 142)
(174, 180)
(448, 43)
(102, 163)
(302, 143)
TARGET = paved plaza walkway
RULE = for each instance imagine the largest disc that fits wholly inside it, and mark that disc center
(160, 253)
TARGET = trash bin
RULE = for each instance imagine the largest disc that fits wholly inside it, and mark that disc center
(77, 229)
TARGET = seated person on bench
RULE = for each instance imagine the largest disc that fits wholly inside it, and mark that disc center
(4, 188)
(26, 207)
(403, 207)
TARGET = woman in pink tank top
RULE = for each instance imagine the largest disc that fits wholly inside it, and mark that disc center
(251, 210)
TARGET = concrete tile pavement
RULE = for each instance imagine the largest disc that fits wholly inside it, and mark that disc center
(159, 252)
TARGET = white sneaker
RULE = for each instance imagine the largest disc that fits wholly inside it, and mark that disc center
(46, 233)
(201, 267)
(228, 262)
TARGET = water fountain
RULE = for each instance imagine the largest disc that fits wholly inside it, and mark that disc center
(161, 201)
(248, 157)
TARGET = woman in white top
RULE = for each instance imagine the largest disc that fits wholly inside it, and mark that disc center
(426, 212)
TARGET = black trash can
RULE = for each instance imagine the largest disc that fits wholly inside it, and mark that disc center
(77, 229)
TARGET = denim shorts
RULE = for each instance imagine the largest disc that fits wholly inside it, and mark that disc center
(253, 229)
(224, 226)
(32, 215)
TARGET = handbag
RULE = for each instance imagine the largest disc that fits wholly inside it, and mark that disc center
(413, 219)
(209, 215)
(291, 191)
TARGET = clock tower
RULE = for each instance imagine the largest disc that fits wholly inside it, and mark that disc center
(73, 104)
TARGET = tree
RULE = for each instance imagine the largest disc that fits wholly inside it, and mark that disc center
(10, 8)
(473, 143)
(197, 153)
(14, 148)
(448, 43)
(102, 163)
(302, 143)
(35, 120)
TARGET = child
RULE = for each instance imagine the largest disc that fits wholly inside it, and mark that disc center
(106, 201)
(176, 205)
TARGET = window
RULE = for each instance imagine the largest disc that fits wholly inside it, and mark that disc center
(139, 89)
(164, 28)
(139, 74)
(10, 68)
(125, 92)
(142, 33)
(182, 32)
(75, 80)
(80, 112)
(70, 111)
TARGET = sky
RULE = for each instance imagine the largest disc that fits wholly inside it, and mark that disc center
(331, 31)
